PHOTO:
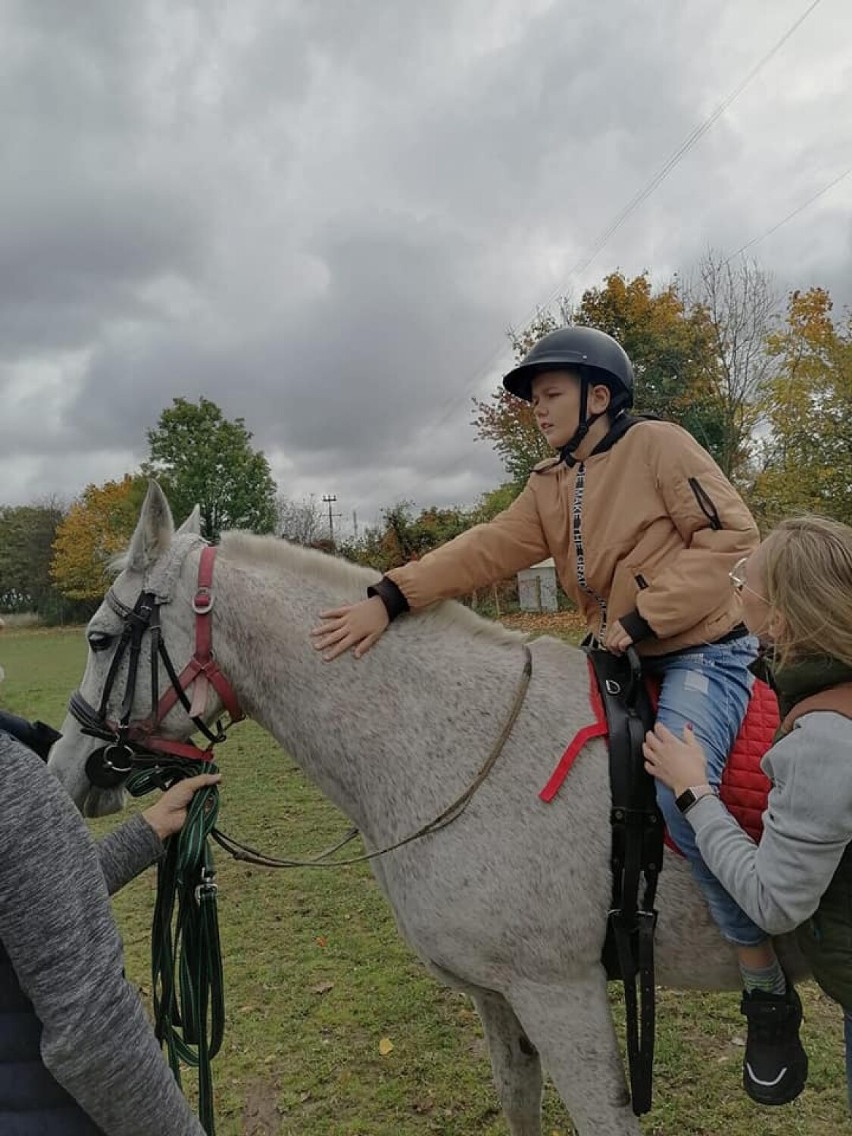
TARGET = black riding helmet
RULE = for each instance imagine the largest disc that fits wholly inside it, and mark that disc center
(594, 355)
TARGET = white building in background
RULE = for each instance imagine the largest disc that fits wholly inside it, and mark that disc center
(537, 587)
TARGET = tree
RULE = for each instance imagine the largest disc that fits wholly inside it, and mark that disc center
(741, 306)
(97, 527)
(494, 502)
(669, 343)
(299, 521)
(207, 460)
(404, 537)
(26, 538)
(807, 404)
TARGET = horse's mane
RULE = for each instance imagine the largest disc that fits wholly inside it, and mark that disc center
(344, 576)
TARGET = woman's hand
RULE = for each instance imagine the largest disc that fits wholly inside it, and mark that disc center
(678, 764)
(357, 626)
(168, 815)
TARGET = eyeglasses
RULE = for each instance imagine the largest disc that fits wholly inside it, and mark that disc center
(737, 574)
(737, 578)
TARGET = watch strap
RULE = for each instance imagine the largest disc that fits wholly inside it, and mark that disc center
(691, 796)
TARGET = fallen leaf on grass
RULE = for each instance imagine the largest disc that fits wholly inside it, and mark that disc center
(385, 1046)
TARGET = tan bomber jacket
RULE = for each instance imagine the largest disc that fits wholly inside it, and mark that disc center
(645, 532)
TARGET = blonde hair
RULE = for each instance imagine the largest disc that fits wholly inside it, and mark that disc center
(807, 568)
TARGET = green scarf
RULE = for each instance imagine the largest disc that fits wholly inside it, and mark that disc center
(801, 679)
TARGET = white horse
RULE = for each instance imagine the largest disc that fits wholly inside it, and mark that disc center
(507, 903)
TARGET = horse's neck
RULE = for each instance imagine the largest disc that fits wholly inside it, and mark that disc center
(415, 717)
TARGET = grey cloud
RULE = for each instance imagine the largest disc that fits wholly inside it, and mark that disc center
(87, 218)
(325, 216)
(359, 366)
(70, 266)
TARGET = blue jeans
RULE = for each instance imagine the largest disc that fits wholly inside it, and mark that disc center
(847, 1036)
(708, 687)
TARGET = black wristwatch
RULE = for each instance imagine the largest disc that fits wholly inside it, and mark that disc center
(689, 796)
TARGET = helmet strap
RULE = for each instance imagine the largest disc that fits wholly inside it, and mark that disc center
(566, 453)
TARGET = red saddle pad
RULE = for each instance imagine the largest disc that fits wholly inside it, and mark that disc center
(745, 786)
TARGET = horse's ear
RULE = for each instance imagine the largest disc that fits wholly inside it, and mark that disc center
(192, 524)
(154, 530)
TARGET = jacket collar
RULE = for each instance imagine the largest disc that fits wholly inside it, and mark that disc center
(623, 422)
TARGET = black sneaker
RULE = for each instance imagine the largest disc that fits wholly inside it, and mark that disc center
(775, 1066)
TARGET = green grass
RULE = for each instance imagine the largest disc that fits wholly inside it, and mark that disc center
(317, 976)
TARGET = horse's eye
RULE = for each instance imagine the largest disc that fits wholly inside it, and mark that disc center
(100, 641)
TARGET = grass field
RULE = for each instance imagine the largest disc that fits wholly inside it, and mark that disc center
(317, 978)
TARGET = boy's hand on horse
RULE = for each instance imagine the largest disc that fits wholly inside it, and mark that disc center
(678, 764)
(617, 639)
(357, 626)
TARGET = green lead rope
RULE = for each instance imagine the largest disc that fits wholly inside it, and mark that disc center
(186, 957)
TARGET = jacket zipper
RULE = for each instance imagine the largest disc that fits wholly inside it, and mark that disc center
(579, 550)
(705, 503)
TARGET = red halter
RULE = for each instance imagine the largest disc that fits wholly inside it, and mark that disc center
(201, 672)
(128, 737)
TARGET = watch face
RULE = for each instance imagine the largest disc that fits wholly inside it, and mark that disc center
(686, 799)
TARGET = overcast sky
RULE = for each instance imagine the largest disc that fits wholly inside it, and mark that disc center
(324, 214)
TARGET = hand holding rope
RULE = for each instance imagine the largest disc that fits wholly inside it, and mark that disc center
(186, 960)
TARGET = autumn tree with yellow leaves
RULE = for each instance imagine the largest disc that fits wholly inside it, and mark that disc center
(672, 348)
(807, 409)
(98, 527)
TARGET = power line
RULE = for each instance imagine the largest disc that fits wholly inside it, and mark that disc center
(632, 205)
(691, 139)
(799, 209)
(639, 198)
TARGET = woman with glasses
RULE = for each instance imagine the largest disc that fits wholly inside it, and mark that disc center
(796, 592)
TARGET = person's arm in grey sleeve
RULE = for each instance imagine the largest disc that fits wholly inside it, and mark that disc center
(806, 828)
(128, 851)
(58, 930)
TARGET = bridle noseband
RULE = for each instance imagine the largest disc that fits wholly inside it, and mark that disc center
(137, 742)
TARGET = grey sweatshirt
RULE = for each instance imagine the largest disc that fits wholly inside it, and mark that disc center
(57, 927)
(806, 827)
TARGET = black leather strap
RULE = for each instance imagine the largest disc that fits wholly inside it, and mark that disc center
(637, 852)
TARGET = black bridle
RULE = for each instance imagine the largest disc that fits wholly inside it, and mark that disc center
(137, 742)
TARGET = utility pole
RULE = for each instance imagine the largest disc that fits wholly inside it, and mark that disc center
(329, 499)
(355, 523)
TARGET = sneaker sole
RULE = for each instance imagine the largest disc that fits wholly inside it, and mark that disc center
(768, 1100)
